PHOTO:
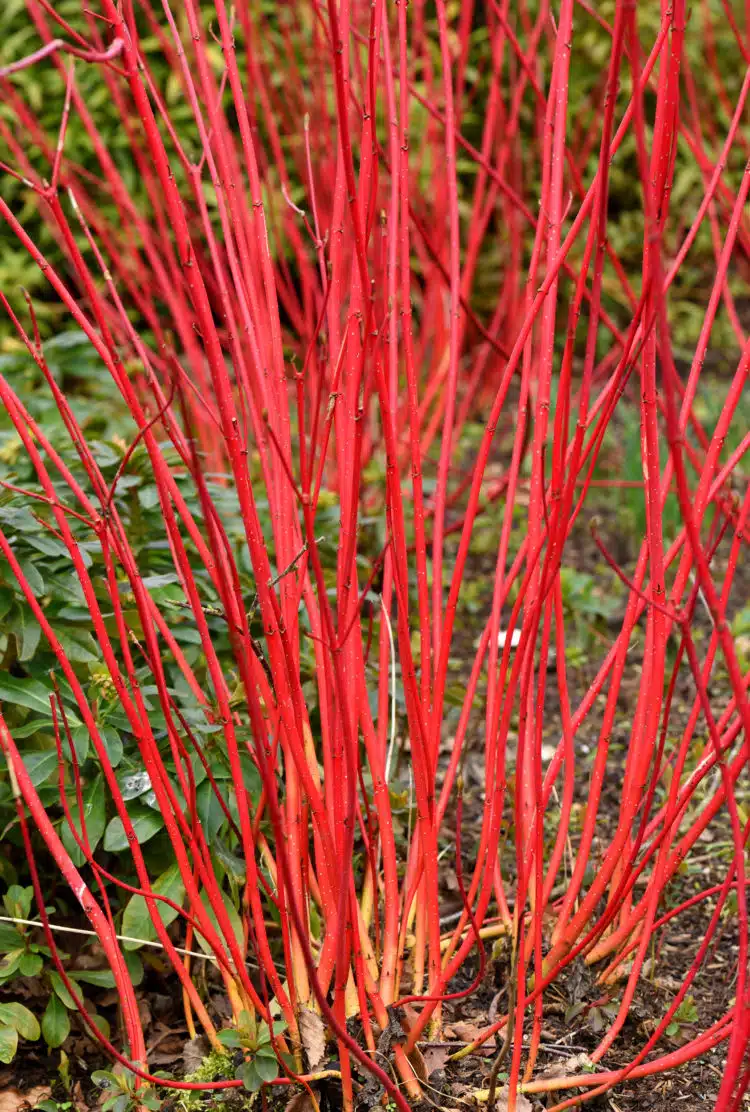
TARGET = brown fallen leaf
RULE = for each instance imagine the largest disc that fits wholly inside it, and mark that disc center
(193, 1053)
(417, 1063)
(301, 1102)
(435, 1056)
(568, 1066)
(467, 1032)
(11, 1100)
(312, 1034)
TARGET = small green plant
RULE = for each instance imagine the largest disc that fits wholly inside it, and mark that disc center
(15, 1020)
(686, 1014)
(255, 1040)
(587, 609)
(122, 1095)
(21, 956)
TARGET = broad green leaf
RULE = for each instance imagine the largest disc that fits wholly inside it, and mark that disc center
(266, 1066)
(28, 635)
(30, 727)
(25, 693)
(30, 965)
(24, 1021)
(33, 577)
(101, 978)
(59, 986)
(48, 545)
(55, 1022)
(234, 865)
(40, 765)
(19, 519)
(210, 812)
(10, 938)
(17, 901)
(136, 920)
(7, 598)
(9, 964)
(81, 741)
(134, 784)
(251, 1079)
(135, 967)
(8, 1044)
(101, 1023)
(79, 646)
(234, 919)
(113, 744)
(230, 1038)
(94, 814)
(145, 822)
(69, 340)
(103, 1079)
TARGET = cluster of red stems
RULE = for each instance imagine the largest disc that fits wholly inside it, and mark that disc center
(368, 282)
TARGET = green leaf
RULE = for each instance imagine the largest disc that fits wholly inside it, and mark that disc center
(69, 340)
(229, 1037)
(26, 693)
(234, 919)
(266, 1067)
(7, 599)
(150, 1101)
(8, 1044)
(101, 1024)
(44, 543)
(81, 741)
(17, 901)
(134, 784)
(55, 1022)
(234, 865)
(135, 967)
(19, 518)
(145, 822)
(113, 744)
(10, 963)
(209, 811)
(136, 920)
(101, 978)
(24, 1021)
(10, 938)
(30, 965)
(29, 727)
(33, 577)
(249, 1077)
(118, 1103)
(28, 636)
(103, 1079)
(79, 645)
(61, 989)
(40, 765)
(95, 817)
